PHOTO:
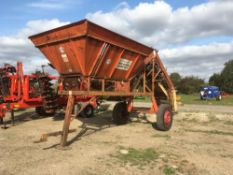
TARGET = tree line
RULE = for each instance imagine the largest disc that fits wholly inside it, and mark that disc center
(192, 84)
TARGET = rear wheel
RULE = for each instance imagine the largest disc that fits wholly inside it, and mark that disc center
(41, 111)
(219, 98)
(164, 118)
(88, 111)
(1, 121)
(120, 114)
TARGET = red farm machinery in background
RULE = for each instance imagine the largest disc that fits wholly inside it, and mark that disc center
(19, 91)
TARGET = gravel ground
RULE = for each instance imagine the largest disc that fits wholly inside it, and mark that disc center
(200, 142)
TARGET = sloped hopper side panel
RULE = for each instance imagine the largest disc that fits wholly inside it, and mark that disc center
(110, 61)
(67, 58)
(90, 50)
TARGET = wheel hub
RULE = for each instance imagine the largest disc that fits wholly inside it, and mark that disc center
(167, 118)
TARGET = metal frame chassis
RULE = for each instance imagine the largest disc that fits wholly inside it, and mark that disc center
(129, 95)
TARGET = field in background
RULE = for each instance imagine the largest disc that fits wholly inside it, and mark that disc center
(195, 99)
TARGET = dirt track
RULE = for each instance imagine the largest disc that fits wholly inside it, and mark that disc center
(199, 143)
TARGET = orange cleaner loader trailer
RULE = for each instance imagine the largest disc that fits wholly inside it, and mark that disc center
(94, 61)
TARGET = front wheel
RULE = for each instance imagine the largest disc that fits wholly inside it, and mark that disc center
(164, 118)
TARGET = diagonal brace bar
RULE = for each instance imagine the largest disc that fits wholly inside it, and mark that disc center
(67, 120)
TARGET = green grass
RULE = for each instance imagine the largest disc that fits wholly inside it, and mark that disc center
(142, 99)
(193, 120)
(168, 170)
(195, 99)
(137, 157)
(214, 132)
(161, 136)
(227, 156)
(228, 122)
(213, 118)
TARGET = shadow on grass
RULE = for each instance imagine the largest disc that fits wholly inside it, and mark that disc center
(101, 121)
(60, 115)
(89, 126)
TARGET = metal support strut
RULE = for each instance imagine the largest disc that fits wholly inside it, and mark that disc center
(67, 120)
(12, 117)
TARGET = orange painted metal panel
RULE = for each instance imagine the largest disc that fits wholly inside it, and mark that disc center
(91, 50)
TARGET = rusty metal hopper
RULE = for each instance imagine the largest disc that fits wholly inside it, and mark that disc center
(90, 50)
(98, 63)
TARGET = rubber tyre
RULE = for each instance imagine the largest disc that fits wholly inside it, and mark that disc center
(88, 111)
(42, 112)
(1, 121)
(50, 112)
(120, 114)
(219, 98)
(164, 118)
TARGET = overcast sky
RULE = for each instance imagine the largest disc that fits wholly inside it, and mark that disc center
(194, 37)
